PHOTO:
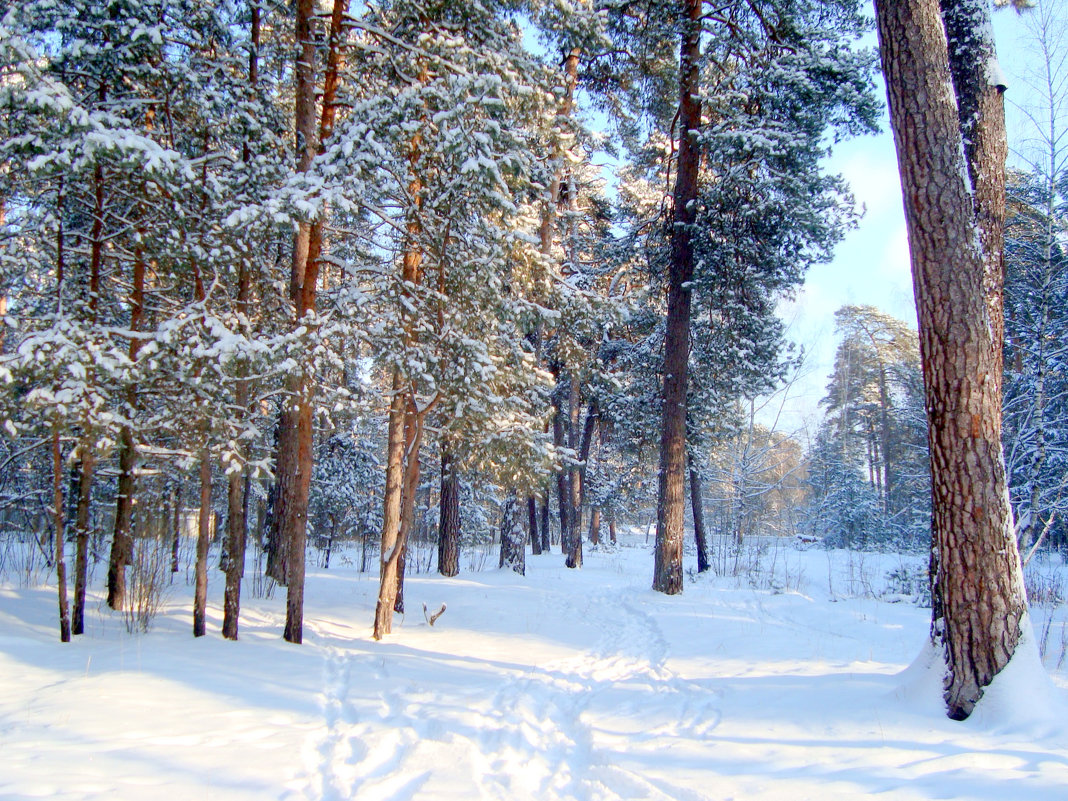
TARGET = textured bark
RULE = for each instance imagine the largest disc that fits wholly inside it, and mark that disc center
(448, 516)
(981, 117)
(200, 570)
(978, 586)
(697, 507)
(595, 525)
(671, 498)
(81, 539)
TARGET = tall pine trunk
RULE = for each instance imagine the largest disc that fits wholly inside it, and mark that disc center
(954, 216)
(671, 498)
(120, 542)
(238, 480)
(295, 457)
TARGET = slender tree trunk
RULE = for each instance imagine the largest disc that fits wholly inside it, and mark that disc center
(59, 524)
(405, 437)
(574, 485)
(176, 525)
(513, 550)
(448, 516)
(81, 534)
(978, 587)
(295, 457)
(236, 535)
(200, 584)
(698, 508)
(391, 512)
(612, 529)
(546, 531)
(237, 480)
(595, 525)
(532, 524)
(563, 500)
(671, 499)
(120, 543)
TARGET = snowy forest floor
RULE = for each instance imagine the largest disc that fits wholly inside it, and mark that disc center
(559, 685)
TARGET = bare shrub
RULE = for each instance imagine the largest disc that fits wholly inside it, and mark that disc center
(148, 583)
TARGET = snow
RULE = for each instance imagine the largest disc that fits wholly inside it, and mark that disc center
(558, 685)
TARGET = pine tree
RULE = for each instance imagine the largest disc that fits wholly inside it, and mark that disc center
(947, 114)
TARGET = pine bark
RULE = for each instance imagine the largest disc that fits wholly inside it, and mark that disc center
(671, 498)
(448, 516)
(979, 600)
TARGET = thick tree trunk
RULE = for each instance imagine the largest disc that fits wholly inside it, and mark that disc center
(200, 582)
(978, 586)
(448, 516)
(81, 535)
(697, 507)
(671, 499)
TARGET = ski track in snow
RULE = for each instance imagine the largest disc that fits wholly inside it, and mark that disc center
(547, 736)
(563, 729)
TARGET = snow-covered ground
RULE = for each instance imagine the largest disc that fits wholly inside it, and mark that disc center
(559, 685)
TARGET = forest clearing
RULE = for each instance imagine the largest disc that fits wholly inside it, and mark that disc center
(561, 685)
